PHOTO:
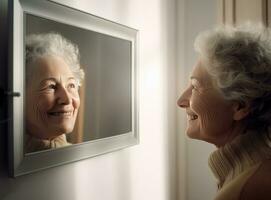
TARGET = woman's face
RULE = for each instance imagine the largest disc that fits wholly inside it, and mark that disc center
(52, 99)
(209, 115)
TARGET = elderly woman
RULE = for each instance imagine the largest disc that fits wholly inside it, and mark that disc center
(52, 99)
(228, 104)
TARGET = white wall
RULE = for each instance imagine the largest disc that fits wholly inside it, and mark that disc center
(142, 172)
(195, 178)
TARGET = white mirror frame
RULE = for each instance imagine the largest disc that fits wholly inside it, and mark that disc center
(21, 163)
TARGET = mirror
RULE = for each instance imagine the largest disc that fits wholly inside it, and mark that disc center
(72, 105)
(104, 94)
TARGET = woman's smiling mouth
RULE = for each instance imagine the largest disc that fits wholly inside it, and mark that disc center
(192, 117)
(61, 114)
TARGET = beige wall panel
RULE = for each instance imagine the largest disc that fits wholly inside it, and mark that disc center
(229, 11)
(250, 10)
(220, 12)
(268, 14)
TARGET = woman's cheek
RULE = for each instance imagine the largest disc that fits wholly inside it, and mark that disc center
(76, 102)
(198, 103)
(205, 108)
(45, 102)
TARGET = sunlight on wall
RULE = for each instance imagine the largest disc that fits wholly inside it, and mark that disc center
(142, 171)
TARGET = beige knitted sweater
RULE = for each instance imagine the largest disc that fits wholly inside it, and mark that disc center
(234, 163)
(33, 144)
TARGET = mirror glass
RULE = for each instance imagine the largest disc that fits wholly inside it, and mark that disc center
(73, 98)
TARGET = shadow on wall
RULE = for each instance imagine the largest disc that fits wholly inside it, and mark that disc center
(6, 184)
(3, 87)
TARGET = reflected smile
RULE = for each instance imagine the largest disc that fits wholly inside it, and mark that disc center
(61, 114)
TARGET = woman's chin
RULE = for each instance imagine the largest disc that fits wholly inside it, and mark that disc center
(192, 133)
(66, 129)
(59, 130)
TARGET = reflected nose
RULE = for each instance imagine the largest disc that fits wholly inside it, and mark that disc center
(184, 99)
(63, 96)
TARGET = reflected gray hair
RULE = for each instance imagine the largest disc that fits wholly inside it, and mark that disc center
(52, 44)
(239, 60)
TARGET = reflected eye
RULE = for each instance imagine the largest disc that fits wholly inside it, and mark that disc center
(51, 86)
(72, 86)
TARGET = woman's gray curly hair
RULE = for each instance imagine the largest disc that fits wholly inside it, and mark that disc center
(239, 60)
(52, 44)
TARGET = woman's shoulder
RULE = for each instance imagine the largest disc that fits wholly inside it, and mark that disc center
(259, 184)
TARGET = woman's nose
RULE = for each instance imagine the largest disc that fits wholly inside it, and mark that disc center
(184, 99)
(63, 96)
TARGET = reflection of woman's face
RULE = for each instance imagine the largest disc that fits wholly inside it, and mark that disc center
(52, 99)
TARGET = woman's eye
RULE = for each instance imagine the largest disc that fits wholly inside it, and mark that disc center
(51, 86)
(71, 85)
(194, 84)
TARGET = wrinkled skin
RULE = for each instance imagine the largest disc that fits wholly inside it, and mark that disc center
(52, 99)
(209, 116)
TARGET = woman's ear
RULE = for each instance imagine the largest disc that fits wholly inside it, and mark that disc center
(240, 110)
